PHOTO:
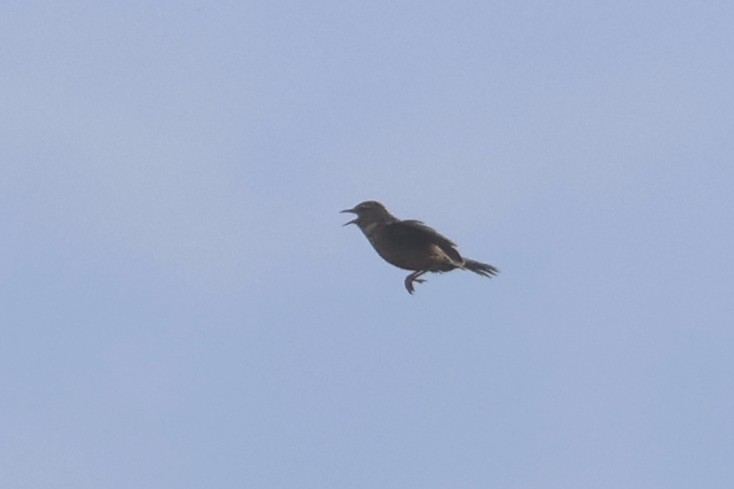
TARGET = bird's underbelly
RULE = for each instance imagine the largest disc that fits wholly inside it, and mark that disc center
(431, 258)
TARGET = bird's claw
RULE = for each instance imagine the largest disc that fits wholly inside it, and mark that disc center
(409, 283)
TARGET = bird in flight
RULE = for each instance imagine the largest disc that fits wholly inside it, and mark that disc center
(411, 245)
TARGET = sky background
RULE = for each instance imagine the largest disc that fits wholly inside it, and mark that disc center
(180, 306)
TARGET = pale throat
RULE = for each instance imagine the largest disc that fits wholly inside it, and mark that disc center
(367, 229)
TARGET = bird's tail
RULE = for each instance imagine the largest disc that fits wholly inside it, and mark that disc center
(482, 269)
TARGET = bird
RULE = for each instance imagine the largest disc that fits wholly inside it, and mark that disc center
(411, 245)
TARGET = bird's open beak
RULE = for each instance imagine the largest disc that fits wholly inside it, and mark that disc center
(353, 221)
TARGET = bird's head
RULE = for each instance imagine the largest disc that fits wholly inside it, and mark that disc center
(368, 212)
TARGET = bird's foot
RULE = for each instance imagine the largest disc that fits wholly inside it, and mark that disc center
(413, 277)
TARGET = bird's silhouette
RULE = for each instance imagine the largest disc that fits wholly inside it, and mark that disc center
(411, 245)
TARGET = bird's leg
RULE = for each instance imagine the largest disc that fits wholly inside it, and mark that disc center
(413, 277)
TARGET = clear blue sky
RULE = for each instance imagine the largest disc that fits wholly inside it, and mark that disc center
(181, 308)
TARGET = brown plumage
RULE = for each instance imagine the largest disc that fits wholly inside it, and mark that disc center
(411, 245)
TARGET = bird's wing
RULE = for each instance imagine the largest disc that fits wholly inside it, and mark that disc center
(415, 234)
